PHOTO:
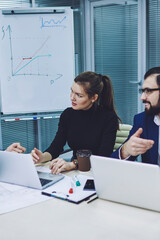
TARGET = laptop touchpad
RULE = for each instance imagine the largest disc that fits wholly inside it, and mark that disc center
(49, 176)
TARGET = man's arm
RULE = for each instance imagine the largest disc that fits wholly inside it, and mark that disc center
(135, 145)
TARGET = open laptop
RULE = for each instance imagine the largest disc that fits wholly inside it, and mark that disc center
(132, 183)
(19, 169)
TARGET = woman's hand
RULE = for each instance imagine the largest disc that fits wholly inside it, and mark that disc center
(39, 157)
(59, 165)
(16, 147)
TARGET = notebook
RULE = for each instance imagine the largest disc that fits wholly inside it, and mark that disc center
(19, 169)
(132, 183)
(62, 189)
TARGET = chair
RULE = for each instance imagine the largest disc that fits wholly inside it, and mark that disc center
(122, 135)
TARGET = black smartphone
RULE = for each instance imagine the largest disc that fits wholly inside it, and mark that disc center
(89, 185)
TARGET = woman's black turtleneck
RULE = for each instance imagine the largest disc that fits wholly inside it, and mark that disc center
(93, 129)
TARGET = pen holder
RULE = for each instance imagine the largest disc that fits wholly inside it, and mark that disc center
(83, 158)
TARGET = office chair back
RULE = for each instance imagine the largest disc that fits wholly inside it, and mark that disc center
(122, 135)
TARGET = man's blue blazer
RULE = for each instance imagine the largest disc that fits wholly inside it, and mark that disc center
(150, 131)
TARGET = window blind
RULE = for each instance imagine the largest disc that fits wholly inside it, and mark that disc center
(153, 33)
(115, 50)
(14, 3)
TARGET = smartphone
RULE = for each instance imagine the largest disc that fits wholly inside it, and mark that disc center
(89, 185)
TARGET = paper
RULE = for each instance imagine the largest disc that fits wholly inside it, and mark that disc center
(62, 189)
(13, 197)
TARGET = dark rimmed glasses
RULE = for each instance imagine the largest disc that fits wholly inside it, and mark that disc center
(147, 91)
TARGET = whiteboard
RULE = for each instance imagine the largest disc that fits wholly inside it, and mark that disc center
(36, 59)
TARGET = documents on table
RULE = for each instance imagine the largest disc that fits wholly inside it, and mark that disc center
(68, 190)
(13, 197)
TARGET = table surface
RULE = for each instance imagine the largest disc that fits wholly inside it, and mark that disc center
(58, 220)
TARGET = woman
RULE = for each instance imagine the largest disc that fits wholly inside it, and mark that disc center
(91, 123)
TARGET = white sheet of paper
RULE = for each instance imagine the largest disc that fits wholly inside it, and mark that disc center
(14, 197)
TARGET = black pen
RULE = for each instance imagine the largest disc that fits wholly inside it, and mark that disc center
(92, 199)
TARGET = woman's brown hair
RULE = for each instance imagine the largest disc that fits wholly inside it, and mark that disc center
(101, 85)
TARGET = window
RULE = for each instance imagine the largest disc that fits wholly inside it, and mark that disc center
(15, 3)
(116, 52)
(153, 30)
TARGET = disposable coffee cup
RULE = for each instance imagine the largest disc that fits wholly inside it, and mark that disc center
(83, 158)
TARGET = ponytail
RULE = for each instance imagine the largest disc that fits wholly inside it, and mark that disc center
(106, 96)
(94, 83)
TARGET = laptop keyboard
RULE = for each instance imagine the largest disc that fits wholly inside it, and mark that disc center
(44, 181)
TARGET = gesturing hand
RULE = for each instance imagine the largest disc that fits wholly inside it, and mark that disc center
(37, 156)
(136, 145)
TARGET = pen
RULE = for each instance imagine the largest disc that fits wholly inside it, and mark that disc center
(76, 180)
(55, 196)
(52, 195)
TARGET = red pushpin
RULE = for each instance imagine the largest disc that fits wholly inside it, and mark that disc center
(71, 190)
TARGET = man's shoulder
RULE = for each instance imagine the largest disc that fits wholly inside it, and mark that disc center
(142, 118)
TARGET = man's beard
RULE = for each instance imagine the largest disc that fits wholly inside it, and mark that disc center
(153, 110)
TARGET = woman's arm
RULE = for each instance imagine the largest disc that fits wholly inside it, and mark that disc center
(56, 147)
(108, 135)
(39, 157)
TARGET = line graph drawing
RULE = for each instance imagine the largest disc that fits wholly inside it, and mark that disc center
(53, 23)
(32, 59)
(26, 61)
(37, 59)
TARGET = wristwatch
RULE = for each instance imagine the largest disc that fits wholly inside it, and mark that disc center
(75, 161)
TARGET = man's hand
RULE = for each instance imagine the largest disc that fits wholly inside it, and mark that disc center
(136, 145)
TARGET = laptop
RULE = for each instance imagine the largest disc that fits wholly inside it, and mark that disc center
(131, 183)
(19, 169)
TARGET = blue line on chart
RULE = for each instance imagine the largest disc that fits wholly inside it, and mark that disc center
(55, 26)
(53, 23)
(49, 55)
(31, 74)
(59, 76)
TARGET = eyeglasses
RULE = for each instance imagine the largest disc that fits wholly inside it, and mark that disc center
(147, 91)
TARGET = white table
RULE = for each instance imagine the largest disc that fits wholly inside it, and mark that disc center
(56, 219)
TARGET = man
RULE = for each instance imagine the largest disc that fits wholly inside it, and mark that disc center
(144, 136)
(16, 147)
